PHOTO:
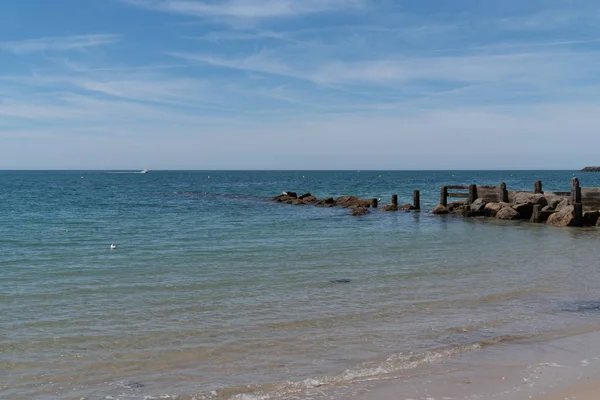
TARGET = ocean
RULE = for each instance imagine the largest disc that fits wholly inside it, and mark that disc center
(215, 292)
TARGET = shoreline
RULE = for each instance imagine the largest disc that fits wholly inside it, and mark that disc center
(567, 368)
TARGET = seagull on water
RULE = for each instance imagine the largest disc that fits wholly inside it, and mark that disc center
(113, 246)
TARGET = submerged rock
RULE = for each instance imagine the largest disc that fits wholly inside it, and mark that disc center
(406, 207)
(440, 210)
(389, 207)
(359, 211)
(343, 280)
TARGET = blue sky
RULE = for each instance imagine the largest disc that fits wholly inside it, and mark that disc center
(299, 84)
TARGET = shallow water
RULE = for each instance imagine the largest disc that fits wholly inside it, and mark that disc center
(215, 292)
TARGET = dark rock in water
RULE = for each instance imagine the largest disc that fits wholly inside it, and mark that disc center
(353, 201)
(406, 207)
(389, 207)
(309, 200)
(359, 211)
(133, 385)
(340, 281)
(345, 201)
(305, 195)
(508, 213)
(525, 210)
(327, 202)
(478, 206)
(439, 210)
(591, 169)
(591, 217)
(455, 205)
(292, 194)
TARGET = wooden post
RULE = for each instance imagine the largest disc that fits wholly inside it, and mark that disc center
(472, 193)
(537, 187)
(575, 191)
(537, 210)
(502, 193)
(578, 214)
(444, 196)
(395, 199)
(417, 200)
(467, 211)
(374, 203)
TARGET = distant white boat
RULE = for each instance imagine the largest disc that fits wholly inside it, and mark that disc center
(144, 171)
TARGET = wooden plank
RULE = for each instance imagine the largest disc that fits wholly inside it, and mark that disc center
(461, 195)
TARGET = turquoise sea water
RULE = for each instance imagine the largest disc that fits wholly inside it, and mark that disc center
(215, 292)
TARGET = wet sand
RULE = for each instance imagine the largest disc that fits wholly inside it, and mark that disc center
(589, 390)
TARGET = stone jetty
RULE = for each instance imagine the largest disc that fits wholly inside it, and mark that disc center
(578, 207)
(357, 206)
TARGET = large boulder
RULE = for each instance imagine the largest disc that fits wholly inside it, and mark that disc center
(359, 211)
(530, 198)
(440, 209)
(548, 208)
(305, 195)
(565, 217)
(553, 202)
(508, 213)
(284, 198)
(491, 209)
(478, 206)
(563, 204)
(291, 194)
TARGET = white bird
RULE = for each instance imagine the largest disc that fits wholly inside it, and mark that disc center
(113, 246)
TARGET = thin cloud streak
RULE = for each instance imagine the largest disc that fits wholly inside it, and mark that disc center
(246, 9)
(59, 44)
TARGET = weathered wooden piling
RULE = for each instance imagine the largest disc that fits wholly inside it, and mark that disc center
(472, 194)
(374, 203)
(502, 193)
(575, 191)
(417, 200)
(467, 211)
(444, 196)
(537, 210)
(395, 199)
(578, 214)
(537, 187)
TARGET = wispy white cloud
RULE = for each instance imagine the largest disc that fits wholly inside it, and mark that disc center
(246, 9)
(462, 68)
(64, 43)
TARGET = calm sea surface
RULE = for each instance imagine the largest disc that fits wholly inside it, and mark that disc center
(215, 292)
